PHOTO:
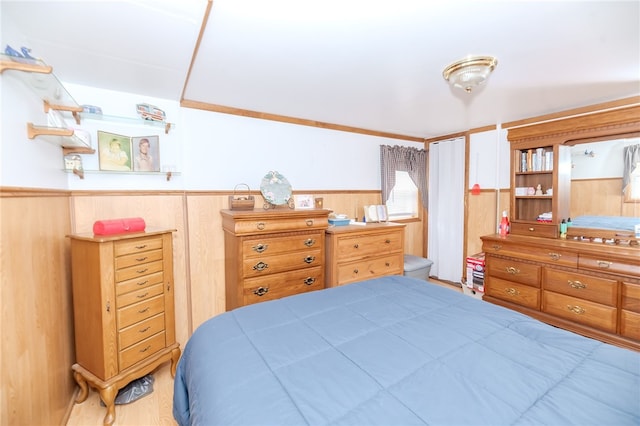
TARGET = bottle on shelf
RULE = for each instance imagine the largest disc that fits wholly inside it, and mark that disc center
(503, 229)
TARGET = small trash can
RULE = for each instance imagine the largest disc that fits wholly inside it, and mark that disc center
(417, 267)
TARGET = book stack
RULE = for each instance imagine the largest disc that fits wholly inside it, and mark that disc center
(536, 160)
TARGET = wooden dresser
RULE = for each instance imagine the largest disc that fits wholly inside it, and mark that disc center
(272, 253)
(589, 288)
(359, 252)
(123, 305)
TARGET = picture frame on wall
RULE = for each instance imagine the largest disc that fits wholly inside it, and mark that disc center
(114, 151)
(146, 153)
(304, 201)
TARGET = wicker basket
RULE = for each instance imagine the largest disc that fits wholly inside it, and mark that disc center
(239, 201)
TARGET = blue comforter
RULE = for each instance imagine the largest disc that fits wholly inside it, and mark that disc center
(398, 351)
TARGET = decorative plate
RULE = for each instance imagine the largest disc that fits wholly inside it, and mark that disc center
(275, 189)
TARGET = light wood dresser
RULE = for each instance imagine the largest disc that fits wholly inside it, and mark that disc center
(360, 252)
(272, 253)
(123, 305)
(589, 288)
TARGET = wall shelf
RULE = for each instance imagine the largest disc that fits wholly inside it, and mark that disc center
(81, 173)
(65, 138)
(135, 121)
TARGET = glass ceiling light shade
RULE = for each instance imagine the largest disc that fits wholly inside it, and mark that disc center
(469, 72)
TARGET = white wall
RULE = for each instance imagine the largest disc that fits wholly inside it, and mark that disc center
(489, 159)
(607, 160)
(210, 151)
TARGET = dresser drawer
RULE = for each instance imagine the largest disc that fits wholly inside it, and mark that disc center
(603, 264)
(138, 271)
(546, 230)
(512, 270)
(363, 269)
(140, 351)
(267, 245)
(600, 290)
(582, 311)
(138, 258)
(630, 297)
(256, 266)
(358, 246)
(284, 284)
(268, 226)
(140, 331)
(139, 311)
(139, 282)
(630, 324)
(138, 295)
(552, 256)
(137, 245)
(523, 295)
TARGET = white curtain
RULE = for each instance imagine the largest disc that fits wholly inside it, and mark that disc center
(446, 208)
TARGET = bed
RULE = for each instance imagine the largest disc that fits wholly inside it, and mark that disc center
(398, 351)
(604, 229)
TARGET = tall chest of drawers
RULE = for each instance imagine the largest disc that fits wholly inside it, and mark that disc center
(360, 252)
(123, 304)
(272, 253)
(589, 288)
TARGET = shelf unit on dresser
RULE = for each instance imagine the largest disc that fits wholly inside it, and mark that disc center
(123, 306)
(589, 288)
(272, 253)
(360, 252)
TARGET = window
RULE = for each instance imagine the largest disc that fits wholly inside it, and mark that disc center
(632, 191)
(403, 199)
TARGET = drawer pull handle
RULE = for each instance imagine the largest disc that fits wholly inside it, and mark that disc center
(261, 291)
(356, 245)
(142, 282)
(604, 264)
(142, 296)
(141, 259)
(260, 247)
(141, 247)
(576, 309)
(577, 285)
(261, 226)
(309, 242)
(555, 256)
(309, 259)
(387, 264)
(355, 271)
(387, 241)
(532, 229)
(142, 311)
(309, 222)
(144, 330)
(145, 349)
(142, 271)
(496, 247)
(511, 291)
(511, 270)
(260, 266)
(309, 280)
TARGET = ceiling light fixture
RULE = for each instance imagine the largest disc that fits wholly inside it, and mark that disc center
(469, 72)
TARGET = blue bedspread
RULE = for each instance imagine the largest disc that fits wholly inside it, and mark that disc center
(398, 351)
(617, 223)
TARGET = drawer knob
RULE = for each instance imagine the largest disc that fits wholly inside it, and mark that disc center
(356, 245)
(261, 291)
(576, 309)
(387, 264)
(604, 264)
(142, 271)
(145, 349)
(141, 259)
(309, 280)
(387, 241)
(142, 296)
(309, 259)
(261, 226)
(577, 285)
(260, 247)
(355, 271)
(511, 270)
(142, 282)
(511, 291)
(144, 330)
(142, 311)
(555, 256)
(309, 222)
(532, 229)
(141, 247)
(309, 242)
(260, 266)
(496, 247)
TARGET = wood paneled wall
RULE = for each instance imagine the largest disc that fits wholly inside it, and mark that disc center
(37, 314)
(600, 197)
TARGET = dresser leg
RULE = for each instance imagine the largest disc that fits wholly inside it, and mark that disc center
(84, 388)
(175, 356)
(108, 396)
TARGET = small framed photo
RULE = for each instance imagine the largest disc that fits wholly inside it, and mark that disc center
(146, 153)
(304, 201)
(114, 151)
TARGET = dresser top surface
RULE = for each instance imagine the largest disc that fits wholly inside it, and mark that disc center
(369, 227)
(90, 236)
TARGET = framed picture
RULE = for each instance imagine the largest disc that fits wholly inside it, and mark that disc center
(304, 201)
(146, 153)
(114, 151)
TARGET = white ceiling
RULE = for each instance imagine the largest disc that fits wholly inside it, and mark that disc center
(369, 64)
